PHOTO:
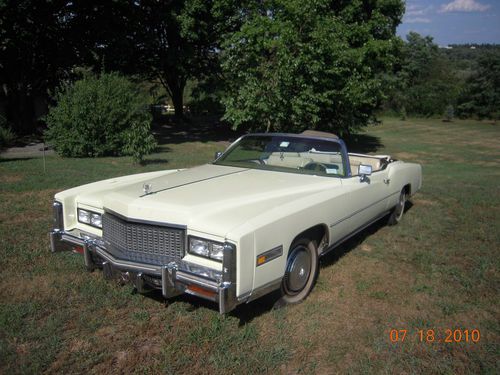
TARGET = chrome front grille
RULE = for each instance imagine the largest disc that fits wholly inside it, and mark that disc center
(142, 242)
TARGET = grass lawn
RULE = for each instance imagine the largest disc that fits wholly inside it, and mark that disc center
(437, 270)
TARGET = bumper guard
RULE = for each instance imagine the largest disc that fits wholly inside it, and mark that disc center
(173, 278)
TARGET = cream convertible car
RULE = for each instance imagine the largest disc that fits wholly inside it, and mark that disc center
(255, 220)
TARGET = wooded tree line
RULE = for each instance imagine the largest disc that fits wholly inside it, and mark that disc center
(277, 65)
(459, 80)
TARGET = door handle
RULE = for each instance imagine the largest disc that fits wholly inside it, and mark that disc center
(387, 180)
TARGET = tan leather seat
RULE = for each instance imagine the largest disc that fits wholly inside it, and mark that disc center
(327, 159)
(356, 160)
(287, 159)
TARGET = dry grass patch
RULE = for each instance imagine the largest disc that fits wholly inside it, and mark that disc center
(36, 288)
(423, 202)
(406, 156)
(10, 178)
(487, 163)
(366, 247)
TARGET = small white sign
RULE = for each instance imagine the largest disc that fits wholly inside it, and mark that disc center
(284, 144)
(332, 170)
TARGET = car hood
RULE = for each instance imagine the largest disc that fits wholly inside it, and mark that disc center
(210, 198)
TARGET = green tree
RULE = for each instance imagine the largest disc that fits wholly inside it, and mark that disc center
(102, 34)
(481, 95)
(177, 40)
(425, 83)
(295, 65)
(42, 41)
(99, 116)
(35, 54)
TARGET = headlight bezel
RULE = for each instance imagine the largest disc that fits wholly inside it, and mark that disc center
(94, 218)
(214, 249)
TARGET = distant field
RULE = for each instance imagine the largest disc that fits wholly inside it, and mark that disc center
(439, 269)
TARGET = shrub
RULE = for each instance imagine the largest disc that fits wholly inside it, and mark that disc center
(100, 116)
(449, 113)
(403, 113)
(7, 136)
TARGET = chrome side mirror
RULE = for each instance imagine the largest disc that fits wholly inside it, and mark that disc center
(217, 155)
(364, 172)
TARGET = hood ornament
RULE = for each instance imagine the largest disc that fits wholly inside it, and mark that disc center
(147, 188)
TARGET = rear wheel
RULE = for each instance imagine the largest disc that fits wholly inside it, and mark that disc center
(302, 268)
(398, 211)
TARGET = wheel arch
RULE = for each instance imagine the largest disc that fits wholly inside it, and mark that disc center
(318, 233)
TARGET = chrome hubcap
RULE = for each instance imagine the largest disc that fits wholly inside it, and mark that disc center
(298, 270)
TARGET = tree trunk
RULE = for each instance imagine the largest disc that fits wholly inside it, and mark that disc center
(175, 85)
(178, 101)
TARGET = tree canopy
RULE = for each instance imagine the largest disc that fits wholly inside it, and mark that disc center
(42, 41)
(280, 65)
(175, 41)
(481, 94)
(36, 52)
(296, 65)
(425, 83)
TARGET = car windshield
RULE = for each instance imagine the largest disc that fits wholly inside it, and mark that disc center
(286, 154)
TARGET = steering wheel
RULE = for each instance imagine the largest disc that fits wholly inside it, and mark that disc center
(315, 166)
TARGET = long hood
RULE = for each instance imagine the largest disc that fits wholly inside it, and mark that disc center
(211, 199)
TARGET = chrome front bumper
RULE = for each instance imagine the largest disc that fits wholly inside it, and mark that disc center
(173, 278)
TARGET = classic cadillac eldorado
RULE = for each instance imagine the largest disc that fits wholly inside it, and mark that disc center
(253, 221)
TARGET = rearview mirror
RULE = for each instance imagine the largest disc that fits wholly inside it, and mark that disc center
(217, 155)
(364, 172)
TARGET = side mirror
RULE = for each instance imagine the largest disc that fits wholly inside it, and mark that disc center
(364, 172)
(217, 155)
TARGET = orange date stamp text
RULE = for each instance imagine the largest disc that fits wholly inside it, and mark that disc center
(447, 336)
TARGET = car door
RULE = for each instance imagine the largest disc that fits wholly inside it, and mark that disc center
(362, 202)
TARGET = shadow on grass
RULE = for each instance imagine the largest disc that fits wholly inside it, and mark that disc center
(33, 139)
(4, 159)
(245, 312)
(356, 240)
(154, 161)
(334, 256)
(363, 143)
(170, 130)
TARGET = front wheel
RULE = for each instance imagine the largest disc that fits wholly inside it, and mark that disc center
(398, 211)
(302, 268)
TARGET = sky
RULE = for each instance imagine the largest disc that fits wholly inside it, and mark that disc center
(453, 21)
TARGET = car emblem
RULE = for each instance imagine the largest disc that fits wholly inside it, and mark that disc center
(147, 188)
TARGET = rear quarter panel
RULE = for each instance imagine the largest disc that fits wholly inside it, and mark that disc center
(401, 174)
